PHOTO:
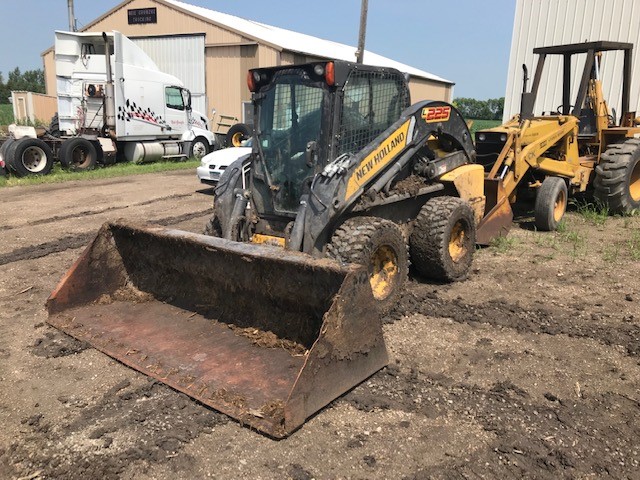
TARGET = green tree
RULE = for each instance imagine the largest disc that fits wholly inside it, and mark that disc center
(480, 109)
(31, 81)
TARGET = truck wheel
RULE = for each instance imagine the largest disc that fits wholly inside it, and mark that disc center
(4, 164)
(551, 203)
(443, 239)
(378, 245)
(199, 148)
(30, 156)
(78, 154)
(237, 134)
(617, 182)
(54, 126)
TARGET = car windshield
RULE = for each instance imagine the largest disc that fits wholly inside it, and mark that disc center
(290, 117)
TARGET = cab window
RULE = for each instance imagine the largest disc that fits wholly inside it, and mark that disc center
(174, 98)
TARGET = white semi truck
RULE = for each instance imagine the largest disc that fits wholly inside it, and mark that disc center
(114, 103)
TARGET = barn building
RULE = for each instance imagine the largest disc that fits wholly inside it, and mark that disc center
(211, 51)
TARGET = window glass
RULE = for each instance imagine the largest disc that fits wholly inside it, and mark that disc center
(373, 101)
(290, 118)
(174, 98)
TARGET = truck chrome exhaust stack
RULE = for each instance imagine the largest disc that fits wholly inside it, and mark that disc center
(109, 97)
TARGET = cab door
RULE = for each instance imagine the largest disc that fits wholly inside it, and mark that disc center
(176, 110)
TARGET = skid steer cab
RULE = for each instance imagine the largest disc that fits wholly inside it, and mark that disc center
(343, 166)
(579, 144)
(348, 181)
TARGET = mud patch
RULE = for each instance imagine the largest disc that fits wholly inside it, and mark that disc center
(104, 439)
(552, 321)
(554, 439)
(38, 251)
(57, 344)
(411, 185)
(77, 241)
(267, 339)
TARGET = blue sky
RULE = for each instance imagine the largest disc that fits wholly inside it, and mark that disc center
(466, 41)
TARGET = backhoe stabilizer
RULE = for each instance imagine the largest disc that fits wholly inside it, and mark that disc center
(265, 335)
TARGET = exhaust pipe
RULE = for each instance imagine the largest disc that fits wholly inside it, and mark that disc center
(109, 97)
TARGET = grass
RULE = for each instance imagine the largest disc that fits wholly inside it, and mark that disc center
(482, 124)
(58, 175)
(6, 114)
(593, 213)
(503, 244)
(634, 245)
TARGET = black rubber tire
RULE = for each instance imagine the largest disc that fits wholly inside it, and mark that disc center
(4, 170)
(29, 156)
(432, 240)
(78, 154)
(199, 148)
(237, 134)
(551, 204)
(54, 126)
(213, 227)
(364, 240)
(617, 182)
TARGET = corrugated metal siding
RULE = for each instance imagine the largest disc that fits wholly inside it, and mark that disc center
(225, 82)
(541, 23)
(183, 57)
(269, 57)
(49, 63)
(170, 21)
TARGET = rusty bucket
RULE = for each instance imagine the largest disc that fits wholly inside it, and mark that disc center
(265, 335)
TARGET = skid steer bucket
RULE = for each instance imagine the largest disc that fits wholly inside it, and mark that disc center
(265, 335)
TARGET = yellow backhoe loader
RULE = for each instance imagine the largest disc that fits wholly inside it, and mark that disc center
(574, 148)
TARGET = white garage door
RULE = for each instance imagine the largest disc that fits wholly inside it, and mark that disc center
(183, 57)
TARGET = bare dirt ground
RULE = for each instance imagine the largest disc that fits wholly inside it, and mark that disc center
(530, 368)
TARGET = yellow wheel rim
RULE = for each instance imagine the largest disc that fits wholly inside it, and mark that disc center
(236, 140)
(457, 244)
(634, 182)
(384, 272)
(560, 206)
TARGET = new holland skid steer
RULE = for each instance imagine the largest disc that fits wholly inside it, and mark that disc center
(275, 319)
(576, 147)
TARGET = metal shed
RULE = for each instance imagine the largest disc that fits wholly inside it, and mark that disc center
(543, 23)
(229, 46)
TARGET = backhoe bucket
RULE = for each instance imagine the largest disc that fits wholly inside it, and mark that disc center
(265, 335)
(498, 215)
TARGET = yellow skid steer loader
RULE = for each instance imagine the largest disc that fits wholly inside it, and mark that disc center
(280, 314)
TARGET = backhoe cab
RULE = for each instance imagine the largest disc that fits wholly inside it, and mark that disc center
(578, 145)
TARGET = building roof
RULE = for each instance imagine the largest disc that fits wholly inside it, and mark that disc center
(299, 42)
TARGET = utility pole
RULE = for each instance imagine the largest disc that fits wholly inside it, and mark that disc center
(72, 17)
(363, 30)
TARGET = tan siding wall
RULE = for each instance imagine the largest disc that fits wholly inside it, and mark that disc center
(291, 58)
(49, 63)
(225, 82)
(269, 57)
(426, 90)
(170, 21)
(249, 59)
